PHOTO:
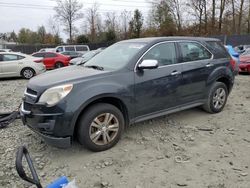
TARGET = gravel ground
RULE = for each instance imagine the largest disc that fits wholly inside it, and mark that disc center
(185, 149)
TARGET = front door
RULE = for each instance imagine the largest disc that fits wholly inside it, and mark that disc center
(10, 65)
(157, 89)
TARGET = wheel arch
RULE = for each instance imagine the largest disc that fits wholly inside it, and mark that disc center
(226, 81)
(223, 75)
(113, 100)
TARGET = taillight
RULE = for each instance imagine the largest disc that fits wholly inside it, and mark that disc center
(233, 64)
(38, 61)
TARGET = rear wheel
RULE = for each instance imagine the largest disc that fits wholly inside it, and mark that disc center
(217, 98)
(100, 127)
(27, 73)
(59, 65)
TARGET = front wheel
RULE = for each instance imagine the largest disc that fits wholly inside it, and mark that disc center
(217, 98)
(100, 127)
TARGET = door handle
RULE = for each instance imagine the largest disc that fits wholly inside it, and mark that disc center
(209, 65)
(174, 73)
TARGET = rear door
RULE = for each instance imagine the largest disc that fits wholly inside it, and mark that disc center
(157, 89)
(197, 64)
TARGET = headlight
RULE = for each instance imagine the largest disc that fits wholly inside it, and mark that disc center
(53, 95)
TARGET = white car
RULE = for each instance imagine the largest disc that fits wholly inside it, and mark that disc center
(17, 64)
(5, 50)
(47, 50)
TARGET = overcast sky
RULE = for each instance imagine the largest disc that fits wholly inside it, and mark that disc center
(16, 14)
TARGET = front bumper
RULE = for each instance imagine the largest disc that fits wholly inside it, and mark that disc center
(44, 126)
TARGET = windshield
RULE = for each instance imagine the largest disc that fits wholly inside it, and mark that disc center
(116, 56)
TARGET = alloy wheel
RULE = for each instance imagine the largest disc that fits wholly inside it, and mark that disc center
(219, 98)
(104, 129)
(27, 73)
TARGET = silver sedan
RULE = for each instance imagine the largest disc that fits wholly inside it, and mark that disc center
(17, 64)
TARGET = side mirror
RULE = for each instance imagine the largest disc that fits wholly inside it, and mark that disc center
(148, 64)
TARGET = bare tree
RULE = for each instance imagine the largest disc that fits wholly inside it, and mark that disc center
(213, 14)
(248, 19)
(222, 8)
(125, 17)
(53, 25)
(199, 9)
(240, 16)
(68, 11)
(233, 15)
(92, 19)
(176, 10)
(110, 21)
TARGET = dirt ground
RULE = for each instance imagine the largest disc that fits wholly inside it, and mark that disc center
(186, 149)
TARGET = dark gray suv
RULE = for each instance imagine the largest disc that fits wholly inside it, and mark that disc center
(129, 82)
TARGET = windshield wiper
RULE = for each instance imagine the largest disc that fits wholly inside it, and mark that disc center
(95, 67)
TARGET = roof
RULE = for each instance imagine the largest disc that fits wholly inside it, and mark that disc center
(176, 38)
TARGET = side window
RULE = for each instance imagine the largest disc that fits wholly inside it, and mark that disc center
(20, 57)
(164, 53)
(81, 48)
(192, 51)
(10, 57)
(1, 57)
(50, 55)
(38, 55)
(59, 49)
(218, 48)
(69, 48)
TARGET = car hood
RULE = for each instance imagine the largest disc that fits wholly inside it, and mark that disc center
(75, 60)
(62, 76)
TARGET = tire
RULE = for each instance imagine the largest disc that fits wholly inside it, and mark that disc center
(92, 122)
(217, 98)
(27, 73)
(58, 65)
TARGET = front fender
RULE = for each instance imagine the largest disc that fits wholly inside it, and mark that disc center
(96, 91)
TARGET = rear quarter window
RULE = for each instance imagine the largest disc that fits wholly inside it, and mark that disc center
(217, 48)
(69, 48)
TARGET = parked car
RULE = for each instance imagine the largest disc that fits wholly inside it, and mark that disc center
(53, 60)
(72, 55)
(17, 64)
(5, 50)
(84, 58)
(129, 82)
(244, 65)
(47, 50)
(235, 55)
(73, 48)
(241, 48)
(247, 52)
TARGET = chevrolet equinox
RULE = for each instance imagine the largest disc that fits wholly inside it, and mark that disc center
(129, 82)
